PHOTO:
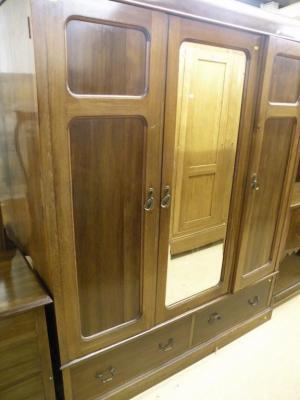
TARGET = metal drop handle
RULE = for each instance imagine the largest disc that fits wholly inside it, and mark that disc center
(254, 302)
(166, 198)
(107, 375)
(214, 317)
(149, 203)
(254, 182)
(168, 346)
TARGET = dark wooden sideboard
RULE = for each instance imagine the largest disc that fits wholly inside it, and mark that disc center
(25, 368)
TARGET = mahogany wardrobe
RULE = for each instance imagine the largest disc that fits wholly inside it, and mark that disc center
(149, 156)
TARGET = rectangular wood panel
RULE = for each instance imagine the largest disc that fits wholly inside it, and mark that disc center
(113, 63)
(107, 158)
(261, 224)
(285, 87)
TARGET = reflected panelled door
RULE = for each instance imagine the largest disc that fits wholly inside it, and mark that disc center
(110, 86)
(210, 86)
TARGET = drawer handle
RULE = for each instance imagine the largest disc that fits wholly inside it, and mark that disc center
(214, 317)
(167, 346)
(107, 375)
(253, 302)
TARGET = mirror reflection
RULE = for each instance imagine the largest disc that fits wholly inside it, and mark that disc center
(210, 87)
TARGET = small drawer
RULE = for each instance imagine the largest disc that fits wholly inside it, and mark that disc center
(17, 328)
(231, 310)
(31, 388)
(98, 375)
(18, 362)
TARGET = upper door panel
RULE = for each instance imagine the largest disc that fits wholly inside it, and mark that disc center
(120, 67)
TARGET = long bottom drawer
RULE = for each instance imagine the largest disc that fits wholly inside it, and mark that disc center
(113, 368)
(98, 376)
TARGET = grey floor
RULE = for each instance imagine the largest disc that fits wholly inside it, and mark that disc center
(261, 365)
(194, 272)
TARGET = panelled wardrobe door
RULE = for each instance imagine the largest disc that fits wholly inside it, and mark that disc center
(273, 161)
(106, 72)
(211, 86)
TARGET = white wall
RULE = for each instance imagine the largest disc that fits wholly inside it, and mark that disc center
(14, 26)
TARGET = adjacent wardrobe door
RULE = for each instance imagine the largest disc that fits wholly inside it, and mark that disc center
(211, 83)
(106, 76)
(273, 159)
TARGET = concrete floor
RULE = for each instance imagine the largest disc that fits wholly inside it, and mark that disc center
(261, 365)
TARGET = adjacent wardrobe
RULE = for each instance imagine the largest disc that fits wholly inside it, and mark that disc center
(150, 153)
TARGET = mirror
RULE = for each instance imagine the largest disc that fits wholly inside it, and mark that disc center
(210, 89)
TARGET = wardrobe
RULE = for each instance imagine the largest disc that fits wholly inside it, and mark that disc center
(150, 151)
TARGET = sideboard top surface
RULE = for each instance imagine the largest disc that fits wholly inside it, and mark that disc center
(20, 289)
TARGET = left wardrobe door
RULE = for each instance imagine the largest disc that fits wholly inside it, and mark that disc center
(106, 66)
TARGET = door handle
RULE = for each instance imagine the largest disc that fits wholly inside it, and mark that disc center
(166, 198)
(149, 203)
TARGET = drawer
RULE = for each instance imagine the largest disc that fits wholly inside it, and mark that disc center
(231, 310)
(17, 328)
(98, 375)
(31, 388)
(18, 362)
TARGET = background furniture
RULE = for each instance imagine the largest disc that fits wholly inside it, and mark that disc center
(25, 369)
(288, 281)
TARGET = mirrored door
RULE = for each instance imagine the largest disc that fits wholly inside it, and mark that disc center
(210, 80)
(209, 100)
